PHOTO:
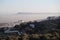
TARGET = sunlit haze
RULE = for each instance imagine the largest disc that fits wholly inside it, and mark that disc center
(10, 8)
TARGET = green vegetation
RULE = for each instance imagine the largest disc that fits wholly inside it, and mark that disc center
(48, 29)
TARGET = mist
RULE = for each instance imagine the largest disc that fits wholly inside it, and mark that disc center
(25, 17)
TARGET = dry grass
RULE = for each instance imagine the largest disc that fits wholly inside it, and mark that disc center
(48, 36)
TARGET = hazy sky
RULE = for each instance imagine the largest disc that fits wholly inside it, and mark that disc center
(34, 6)
(12, 6)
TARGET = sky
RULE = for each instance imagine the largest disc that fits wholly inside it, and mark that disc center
(35, 6)
(7, 7)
